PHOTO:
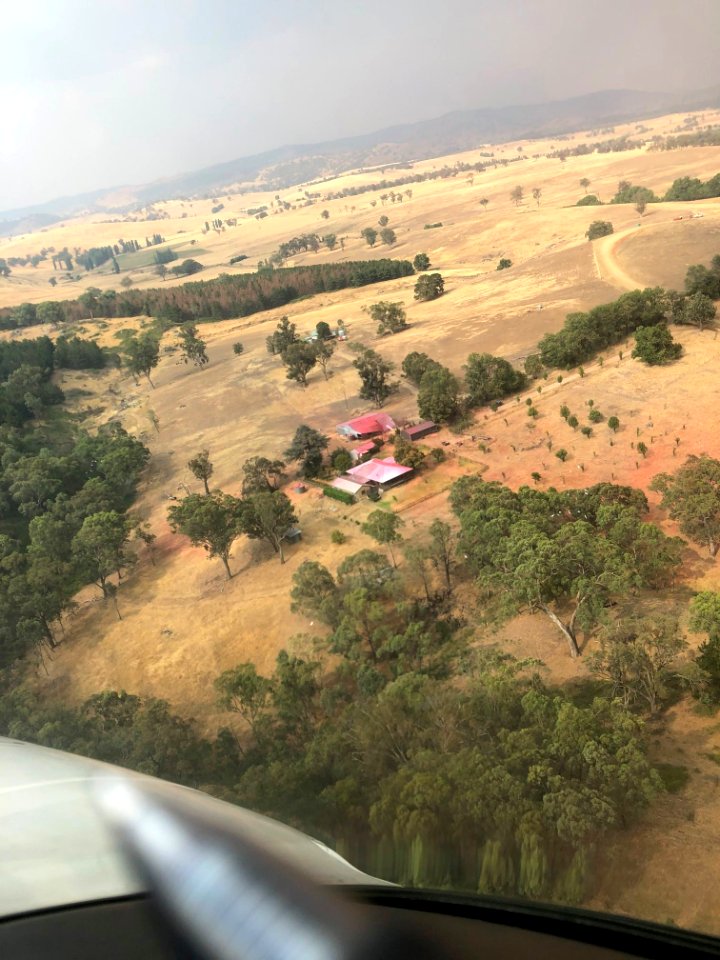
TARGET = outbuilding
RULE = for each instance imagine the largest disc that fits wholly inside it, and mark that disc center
(420, 430)
(363, 449)
(369, 425)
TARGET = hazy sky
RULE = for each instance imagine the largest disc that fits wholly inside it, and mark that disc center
(99, 94)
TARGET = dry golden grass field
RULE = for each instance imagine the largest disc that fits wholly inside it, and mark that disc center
(183, 623)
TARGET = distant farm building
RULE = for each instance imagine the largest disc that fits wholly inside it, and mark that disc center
(420, 430)
(380, 473)
(368, 426)
(363, 449)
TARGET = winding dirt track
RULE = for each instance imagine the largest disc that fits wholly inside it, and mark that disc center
(606, 264)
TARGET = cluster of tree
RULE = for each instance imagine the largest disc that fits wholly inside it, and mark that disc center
(691, 188)
(613, 145)
(443, 173)
(164, 256)
(584, 334)
(567, 554)
(29, 260)
(214, 520)
(187, 268)
(300, 356)
(63, 522)
(702, 280)
(440, 398)
(95, 257)
(627, 193)
(692, 498)
(75, 353)
(229, 296)
(126, 246)
(25, 370)
(301, 244)
(495, 779)
(62, 259)
(684, 188)
(708, 137)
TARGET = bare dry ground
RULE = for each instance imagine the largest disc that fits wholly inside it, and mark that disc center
(183, 623)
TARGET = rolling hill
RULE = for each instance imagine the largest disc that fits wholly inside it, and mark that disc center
(450, 133)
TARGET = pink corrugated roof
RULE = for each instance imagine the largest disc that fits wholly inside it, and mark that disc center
(370, 423)
(362, 448)
(378, 471)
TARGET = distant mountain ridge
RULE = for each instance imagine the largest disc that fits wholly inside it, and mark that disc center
(460, 130)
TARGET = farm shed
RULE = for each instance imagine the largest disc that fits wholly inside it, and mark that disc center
(420, 430)
(368, 426)
(362, 449)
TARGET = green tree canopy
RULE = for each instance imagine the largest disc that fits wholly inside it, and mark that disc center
(192, 346)
(201, 468)
(299, 359)
(390, 317)
(438, 395)
(142, 355)
(283, 336)
(99, 547)
(374, 374)
(269, 517)
(429, 286)
(490, 378)
(212, 522)
(261, 475)
(307, 446)
(384, 527)
(415, 364)
(599, 228)
(565, 555)
(692, 498)
(655, 345)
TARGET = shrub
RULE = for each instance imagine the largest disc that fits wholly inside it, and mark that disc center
(613, 423)
(564, 411)
(599, 228)
(595, 416)
(586, 431)
(573, 421)
(655, 345)
(340, 460)
(432, 226)
(504, 264)
(562, 454)
(438, 455)
(589, 201)
(336, 494)
(429, 286)
(532, 412)
(337, 536)
(238, 349)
